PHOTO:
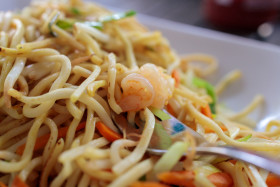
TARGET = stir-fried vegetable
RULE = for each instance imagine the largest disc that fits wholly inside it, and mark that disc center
(95, 24)
(43, 140)
(107, 133)
(164, 139)
(221, 179)
(171, 157)
(245, 138)
(175, 74)
(208, 169)
(2, 184)
(75, 11)
(147, 184)
(179, 178)
(272, 180)
(200, 83)
(186, 178)
(68, 24)
(170, 110)
(65, 24)
(17, 182)
(117, 16)
(159, 113)
(53, 21)
(208, 130)
(206, 111)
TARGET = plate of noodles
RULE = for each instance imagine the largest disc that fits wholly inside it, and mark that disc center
(68, 67)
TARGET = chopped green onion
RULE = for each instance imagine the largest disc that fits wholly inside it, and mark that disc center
(95, 24)
(164, 139)
(245, 138)
(117, 16)
(75, 11)
(53, 20)
(65, 24)
(171, 157)
(159, 113)
(210, 91)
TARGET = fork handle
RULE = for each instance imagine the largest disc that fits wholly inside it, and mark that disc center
(264, 162)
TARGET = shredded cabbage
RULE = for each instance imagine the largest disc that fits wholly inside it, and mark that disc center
(171, 157)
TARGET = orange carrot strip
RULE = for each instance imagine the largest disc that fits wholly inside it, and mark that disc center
(170, 110)
(17, 182)
(273, 180)
(186, 178)
(2, 184)
(43, 140)
(233, 161)
(147, 184)
(206, 111)
(179, 178)
(175, 74)
(107, 133)
(221, 179)
(208, 130)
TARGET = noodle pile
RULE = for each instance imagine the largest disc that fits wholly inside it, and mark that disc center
(69, 68)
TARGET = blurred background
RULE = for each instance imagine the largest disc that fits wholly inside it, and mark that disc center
(256, 19)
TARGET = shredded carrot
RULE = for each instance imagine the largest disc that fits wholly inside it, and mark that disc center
(221, 179)
(43, 140)
(107, 133)
(170, 110)
(175, 74)
(208, 130)
(233, 161)
(186, 178)
(2, 184)
(17, 182)
(272, 180)
(179, 178)
(148, 184)
(206, 111)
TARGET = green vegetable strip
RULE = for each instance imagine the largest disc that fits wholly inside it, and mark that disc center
(245, 138)
(164, 139)
(159, 113)
(75, 11)
(66, 24)
(210, 91)
(117, 16)
(51, 23)
(171, 157)
(97, 25)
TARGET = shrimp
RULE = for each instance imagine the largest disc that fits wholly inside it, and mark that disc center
(149, 86)
(138, 92)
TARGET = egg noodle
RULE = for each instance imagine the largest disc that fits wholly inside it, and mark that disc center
(70, 69)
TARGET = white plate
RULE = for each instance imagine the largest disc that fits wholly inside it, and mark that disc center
(259, 62)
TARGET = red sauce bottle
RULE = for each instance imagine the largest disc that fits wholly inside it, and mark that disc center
(238, 15)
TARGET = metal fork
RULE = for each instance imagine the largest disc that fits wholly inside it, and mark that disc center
(206, 148)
